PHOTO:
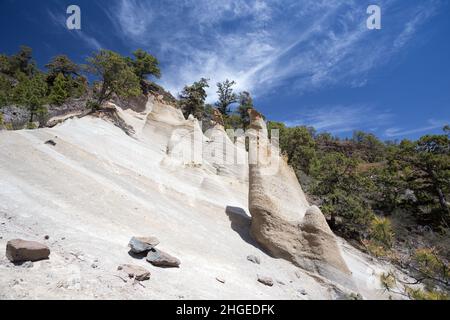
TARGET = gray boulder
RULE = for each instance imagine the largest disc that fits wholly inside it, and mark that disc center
(142, 244)
(162, 259)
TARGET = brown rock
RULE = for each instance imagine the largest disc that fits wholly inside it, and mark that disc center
(265, 280)
(18, 250)
(162, 259)
(136, 272)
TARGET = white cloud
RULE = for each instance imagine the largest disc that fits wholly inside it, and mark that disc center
(343, 119)
(263, 44)
(432, 124)
(59, 20)
(422, 14)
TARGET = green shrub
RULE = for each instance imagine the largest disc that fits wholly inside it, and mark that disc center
(419, 294)
(388, 281)
(92, 105)
(430, 264)
(381, 231)
(31, 126)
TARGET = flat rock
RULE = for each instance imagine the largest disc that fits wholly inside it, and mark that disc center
(136, 272)
(220, 279)
(18, 250)
(265, 280)
(253, 259)
(162, 259)
(142, 244)
(50, 142)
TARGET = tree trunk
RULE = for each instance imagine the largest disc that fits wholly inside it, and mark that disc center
(442, 201)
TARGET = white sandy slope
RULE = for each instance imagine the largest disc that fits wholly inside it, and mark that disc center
(98, 187)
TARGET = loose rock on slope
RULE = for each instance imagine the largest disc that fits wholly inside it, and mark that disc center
(136, 272)
(162, 259)
(142, 244)
(18, 250)
(265, 280)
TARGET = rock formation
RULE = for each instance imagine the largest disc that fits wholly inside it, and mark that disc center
(282, 220)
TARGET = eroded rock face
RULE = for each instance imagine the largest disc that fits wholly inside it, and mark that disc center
(19, 250)
(282, 220)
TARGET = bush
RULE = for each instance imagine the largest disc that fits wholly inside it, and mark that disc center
(381, 232)
(92, 105)
(419, 294)
(31, 126)
(431, 265)
(388, 281)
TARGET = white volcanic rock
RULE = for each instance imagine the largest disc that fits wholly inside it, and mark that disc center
(282, 220)
(98, 187)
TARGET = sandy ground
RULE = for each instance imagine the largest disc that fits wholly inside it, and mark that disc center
(98, 187)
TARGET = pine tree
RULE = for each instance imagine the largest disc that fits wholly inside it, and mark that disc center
(226, 96)
(59, 92)
(192, 99)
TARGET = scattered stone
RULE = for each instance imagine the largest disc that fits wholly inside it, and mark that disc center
(94, 266)
(18, 250)
(47, 237)
(302, 292)
(162, 259)
(281, 282)
(221, 280)
(142, 244)
(298, 274)
(136, 272)
(265, 280)
(254, 259)
(50, 142)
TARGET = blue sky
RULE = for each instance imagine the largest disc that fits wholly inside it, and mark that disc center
(310, 62)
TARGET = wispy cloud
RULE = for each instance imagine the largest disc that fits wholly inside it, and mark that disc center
(432, 124)
(59, 20)
(343, 119)
(263, 44)
(420, 16)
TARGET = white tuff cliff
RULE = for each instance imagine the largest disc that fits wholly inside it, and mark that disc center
(97, 187)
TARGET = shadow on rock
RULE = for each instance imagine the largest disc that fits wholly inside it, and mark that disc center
(240, 223)
(139, 256)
